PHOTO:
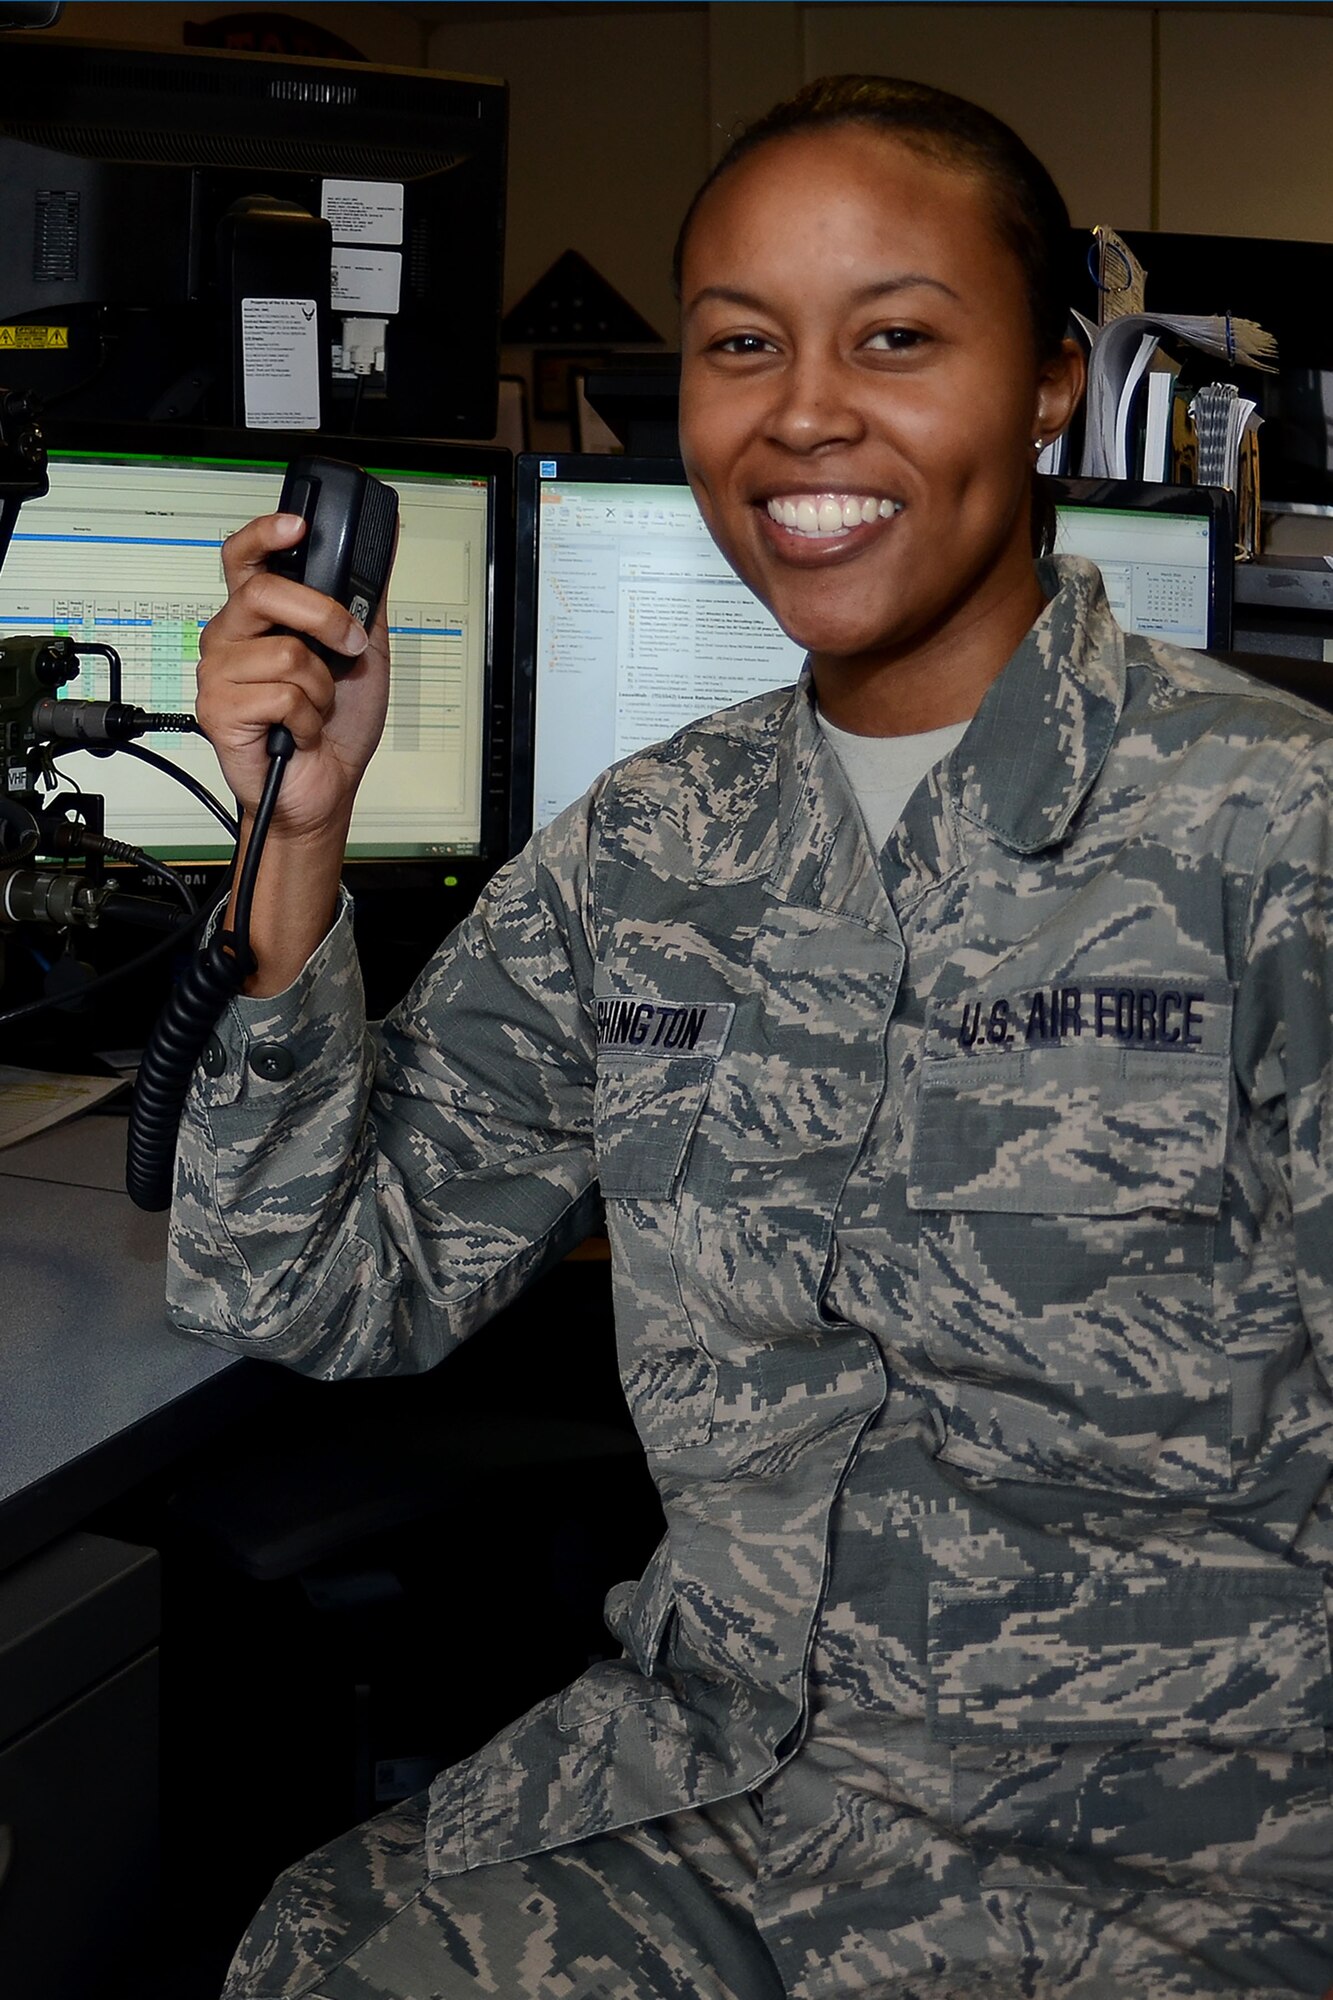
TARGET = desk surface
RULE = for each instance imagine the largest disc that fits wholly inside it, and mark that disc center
(96, 1390)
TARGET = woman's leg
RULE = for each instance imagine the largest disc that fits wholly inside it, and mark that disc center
(656, 1912)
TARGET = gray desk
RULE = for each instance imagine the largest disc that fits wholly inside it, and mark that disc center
(96, 1391)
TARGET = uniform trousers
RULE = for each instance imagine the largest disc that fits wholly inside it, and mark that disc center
(688, 1908)
(657, 1910)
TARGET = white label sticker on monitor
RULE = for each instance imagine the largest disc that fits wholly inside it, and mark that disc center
(363, 211)
(366, 281)
(280, 364)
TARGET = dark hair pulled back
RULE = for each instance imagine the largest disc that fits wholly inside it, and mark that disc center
(1029, 210)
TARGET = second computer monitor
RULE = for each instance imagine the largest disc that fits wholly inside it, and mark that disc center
(629, 623)
(1166, 553)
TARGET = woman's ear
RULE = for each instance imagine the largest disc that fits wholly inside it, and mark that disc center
(1060, 383)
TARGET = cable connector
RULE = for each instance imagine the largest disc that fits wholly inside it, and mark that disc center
(49, 896)
(96, 724)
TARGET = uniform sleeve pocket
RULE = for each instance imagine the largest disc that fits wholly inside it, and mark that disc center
(1213, 1655)
(645, 1111)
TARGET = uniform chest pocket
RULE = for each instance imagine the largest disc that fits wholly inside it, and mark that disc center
(644, 1115)
(645, 1110)
(1068, 1204)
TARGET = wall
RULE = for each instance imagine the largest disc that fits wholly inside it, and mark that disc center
(1182, 117)
(608, 134)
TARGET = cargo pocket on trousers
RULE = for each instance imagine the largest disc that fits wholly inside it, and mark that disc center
(1067, 1206)
(1174, 1722)
(645, 1112)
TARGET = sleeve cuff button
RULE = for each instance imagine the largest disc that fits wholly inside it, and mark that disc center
(271, 1061)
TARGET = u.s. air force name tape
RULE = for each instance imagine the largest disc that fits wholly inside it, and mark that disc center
(1165, 1015)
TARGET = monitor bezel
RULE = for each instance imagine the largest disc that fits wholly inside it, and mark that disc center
(263, 448)
(1143, 497)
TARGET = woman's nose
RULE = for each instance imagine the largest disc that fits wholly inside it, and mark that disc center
(816, 403)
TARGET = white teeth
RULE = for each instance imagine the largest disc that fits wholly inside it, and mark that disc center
(819, 514)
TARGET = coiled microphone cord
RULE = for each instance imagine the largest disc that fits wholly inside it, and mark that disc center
(214, 976)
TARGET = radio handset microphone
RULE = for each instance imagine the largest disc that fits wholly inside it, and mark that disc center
(351, 519)
(346, 551)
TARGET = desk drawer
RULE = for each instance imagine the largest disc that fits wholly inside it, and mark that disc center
(78, 1797)
(69, 1616)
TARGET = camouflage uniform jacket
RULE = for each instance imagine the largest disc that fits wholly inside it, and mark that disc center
(1017, 1136)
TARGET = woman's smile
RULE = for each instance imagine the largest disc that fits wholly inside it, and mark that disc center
(825, 516)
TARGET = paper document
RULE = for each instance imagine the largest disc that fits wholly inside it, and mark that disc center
(31, 1100)
(1122, 351)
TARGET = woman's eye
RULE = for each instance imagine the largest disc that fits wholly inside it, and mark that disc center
(897, 339)
(742, 343)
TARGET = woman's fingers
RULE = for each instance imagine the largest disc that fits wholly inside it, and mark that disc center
(280, 673)
(258, 600)
(250, 547)
(248, 711)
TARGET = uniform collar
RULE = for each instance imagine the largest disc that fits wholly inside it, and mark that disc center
(1037, 743)
(1026, 763)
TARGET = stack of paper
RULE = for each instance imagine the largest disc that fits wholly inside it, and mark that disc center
(1221, 418)
(1122, 352)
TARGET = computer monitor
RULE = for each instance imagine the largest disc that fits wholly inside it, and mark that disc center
(125, 549)
(1166, 553)
(628, 623)
(208, 236)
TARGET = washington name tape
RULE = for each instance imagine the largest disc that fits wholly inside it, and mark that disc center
(643, 1027)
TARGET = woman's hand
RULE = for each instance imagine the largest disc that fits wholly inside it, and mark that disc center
(251, 676)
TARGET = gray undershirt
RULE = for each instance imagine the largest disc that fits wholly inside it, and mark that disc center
(884, 771)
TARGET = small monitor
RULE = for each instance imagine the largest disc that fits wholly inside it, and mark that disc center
(1166, 553)
(629, 623)
(125, 550)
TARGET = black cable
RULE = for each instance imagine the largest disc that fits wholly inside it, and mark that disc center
(191, 783)
(121, 850)
(212, 978)
(281, 749)
(105, 979)
(113, 659)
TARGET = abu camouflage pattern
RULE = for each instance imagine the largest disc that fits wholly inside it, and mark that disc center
(974, 1289)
